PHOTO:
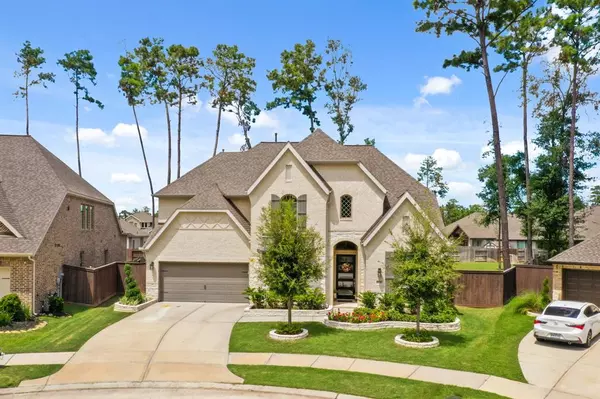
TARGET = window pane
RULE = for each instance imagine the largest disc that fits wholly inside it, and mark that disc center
(346, 206)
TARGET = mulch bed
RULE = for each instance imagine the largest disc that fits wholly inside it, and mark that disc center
(23, 326)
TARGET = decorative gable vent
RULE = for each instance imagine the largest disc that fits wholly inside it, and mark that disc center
(5, 231)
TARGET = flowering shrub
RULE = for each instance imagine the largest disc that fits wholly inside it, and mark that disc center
(364, 315)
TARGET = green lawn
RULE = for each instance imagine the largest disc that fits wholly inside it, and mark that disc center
(360, 384)
(11, 376)
(487, 343)
(65, 334)
(487, 266)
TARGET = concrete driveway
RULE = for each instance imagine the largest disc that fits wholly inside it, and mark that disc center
(165, 342)
(567, 369)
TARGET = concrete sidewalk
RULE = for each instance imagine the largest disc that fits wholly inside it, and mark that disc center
(28, 359)
(483, 382)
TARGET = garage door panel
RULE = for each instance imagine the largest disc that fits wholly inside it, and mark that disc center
(202, 282)
(582, 285)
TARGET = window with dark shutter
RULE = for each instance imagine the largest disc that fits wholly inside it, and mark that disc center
(302, 209)
(275, 201)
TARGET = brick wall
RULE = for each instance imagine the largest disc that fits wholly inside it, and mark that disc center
(21, 277)
(557, 278)
(66, 239)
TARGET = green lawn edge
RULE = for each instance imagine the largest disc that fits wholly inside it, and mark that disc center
(64, 334)
(352, 383)
(11, 376)
(487, 343)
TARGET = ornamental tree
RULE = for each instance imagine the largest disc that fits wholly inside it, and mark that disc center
(423, 266)
(290, 259)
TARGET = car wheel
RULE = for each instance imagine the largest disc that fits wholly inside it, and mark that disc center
(588, 342)
(538, 339)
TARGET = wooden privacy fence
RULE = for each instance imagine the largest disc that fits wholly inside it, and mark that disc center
(531, 277)
(93, 286)
(485, 289)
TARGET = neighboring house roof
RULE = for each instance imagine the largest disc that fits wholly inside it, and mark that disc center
(586, 252)
(145, 217)
(236, 172)
(471, 226)
(131, 230)
(33, 185)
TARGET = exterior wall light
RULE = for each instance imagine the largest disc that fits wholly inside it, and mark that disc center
(151, 265)
(379, 275)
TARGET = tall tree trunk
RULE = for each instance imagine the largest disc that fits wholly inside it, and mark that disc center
(179, 135)
(27, 104)
(312, 117)
(418, 328)
(137, 124)
(218, 129)
(248, 144)
(290, 304)
(77, 129)
(572, 156)
(169, 143)
(497, 149)
(529, 249)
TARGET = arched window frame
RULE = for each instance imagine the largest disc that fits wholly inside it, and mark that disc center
(346, 207)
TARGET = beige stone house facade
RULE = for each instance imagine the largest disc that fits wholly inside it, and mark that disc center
(49, 216)
(205, 246)
(576, 272)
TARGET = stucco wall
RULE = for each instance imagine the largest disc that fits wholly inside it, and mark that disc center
(243, 205)
(168, 205)
(65, 240)
(375, 251)
(302, 183)
(196, 237)
(367, 198)
(21, 277)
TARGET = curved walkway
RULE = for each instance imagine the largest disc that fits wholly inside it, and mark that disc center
(483, 382)
(572, 369)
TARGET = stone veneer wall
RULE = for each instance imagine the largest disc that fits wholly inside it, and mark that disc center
(21, 277)
(557, 278)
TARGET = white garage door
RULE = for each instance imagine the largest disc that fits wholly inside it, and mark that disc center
(4, 281)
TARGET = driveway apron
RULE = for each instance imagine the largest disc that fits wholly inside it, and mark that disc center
(165, 342)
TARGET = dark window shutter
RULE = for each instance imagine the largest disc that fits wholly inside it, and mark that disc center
(302, 205)
(275, 201)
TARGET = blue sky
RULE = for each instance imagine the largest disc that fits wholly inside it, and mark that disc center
(399, 66)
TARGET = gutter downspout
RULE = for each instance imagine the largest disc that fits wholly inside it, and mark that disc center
(33, 301)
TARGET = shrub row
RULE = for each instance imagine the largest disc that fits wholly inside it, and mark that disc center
(312, 299)
(365, 315)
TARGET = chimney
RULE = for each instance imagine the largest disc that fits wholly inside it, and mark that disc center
(276, 137)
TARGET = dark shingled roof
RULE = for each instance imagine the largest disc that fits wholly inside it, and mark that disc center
(586, 252)
(235, 172)
(34, 183)
(472, 227)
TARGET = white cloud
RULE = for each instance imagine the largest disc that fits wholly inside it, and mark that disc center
(237, 139)
(128, 130)
(95, 136)
(439, 85)
(463, 191)
(86, 108)
(125, 203)
(511, 148)
(267, 120)
(125, 178)
(447, 159)
(192, 104)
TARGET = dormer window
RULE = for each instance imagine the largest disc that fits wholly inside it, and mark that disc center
(346, 207)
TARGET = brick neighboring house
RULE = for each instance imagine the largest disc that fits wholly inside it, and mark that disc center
(49, 216)
(205, 245)
(136, 228)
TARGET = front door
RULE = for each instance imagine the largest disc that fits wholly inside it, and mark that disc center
(345, 272)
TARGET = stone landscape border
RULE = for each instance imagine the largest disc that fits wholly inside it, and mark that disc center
(286, 337)
(39, 324)
(119, 307)
(251, 313)
(419, 345)
(446, 327)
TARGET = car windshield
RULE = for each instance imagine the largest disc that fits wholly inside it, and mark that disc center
(561, 311)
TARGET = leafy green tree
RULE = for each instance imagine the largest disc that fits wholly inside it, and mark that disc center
(291, 253)
(577, 34)
(153, 58)
(523, 42)
(595, 195)
(133, 86)
(423, 266)
(133, 294)
(341, 87)
(431, 175)
(30, 58)
(299, 80)
(453, 211)
(369, 141)
(483, 21)
(79, 65)
(124, 214)
(229, 81)
(183, 66)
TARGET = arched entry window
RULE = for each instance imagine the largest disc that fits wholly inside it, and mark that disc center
(346, 207)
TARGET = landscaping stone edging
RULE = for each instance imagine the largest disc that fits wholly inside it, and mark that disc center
(282, 337)
(249, 311)
(37, 326)
(447, 327)
(419, 345)
(119, 307)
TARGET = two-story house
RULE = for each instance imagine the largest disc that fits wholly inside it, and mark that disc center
(49, 216)
(358, 200)
(136, 229)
